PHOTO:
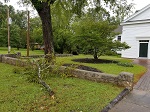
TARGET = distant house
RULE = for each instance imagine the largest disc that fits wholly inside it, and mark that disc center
(136, 33)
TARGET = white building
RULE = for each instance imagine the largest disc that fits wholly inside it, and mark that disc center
(136, 33)
(118, 37)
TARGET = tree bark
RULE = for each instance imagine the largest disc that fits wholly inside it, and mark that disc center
(95, 53)
(43, 9)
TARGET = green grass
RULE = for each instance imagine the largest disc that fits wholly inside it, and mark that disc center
(71, 93)
(18, 95)
(4, 50)
(110, 68)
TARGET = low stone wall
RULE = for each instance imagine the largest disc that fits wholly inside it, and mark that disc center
(123, 79)
(13, 61)
(57, 55)
(63, 55)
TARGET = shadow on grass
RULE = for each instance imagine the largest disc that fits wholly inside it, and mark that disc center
(82, 67)
(91, 60)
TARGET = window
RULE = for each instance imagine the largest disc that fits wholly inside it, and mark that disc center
(119, 38)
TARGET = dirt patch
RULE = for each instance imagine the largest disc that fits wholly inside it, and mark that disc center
(82, 67)
(90, 60)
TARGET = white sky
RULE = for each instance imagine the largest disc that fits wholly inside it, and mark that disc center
(139, 4)
(20, 7)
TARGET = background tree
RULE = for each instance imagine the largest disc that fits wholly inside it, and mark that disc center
(77, 7)
(35, 32)
(17, 28)
(3, 25)
(15, 40)
(61, 20)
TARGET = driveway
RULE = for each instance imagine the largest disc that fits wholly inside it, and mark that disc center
(139, 99)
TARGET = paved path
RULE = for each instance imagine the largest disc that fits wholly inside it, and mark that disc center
(139, 99)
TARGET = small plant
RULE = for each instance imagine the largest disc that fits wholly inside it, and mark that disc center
(125, 64)
(68, 71)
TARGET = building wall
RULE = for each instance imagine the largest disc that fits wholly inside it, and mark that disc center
(131, 35)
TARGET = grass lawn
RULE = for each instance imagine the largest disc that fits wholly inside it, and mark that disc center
(4, 50)
(110, 68)
(18, 95)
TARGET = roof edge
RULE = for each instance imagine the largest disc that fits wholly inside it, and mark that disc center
(137, 13)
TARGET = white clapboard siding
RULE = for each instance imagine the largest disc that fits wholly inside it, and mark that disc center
(135, 28)
(131, 35)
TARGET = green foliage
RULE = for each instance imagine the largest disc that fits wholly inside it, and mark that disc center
(96, 37)
(125, 64)
(31, 74)
(15, 40)
(36, 34)
(111, 53)
(62, 40)
(63, 15)
(17, 28)
(61, 19)
(3, 36)
(45, 68)
(68, 71)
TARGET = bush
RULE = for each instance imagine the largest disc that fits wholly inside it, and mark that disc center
(125, 64)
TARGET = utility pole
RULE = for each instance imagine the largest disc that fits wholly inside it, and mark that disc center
(28, 33)
(8, 27)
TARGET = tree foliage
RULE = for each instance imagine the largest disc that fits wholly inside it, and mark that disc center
(15, 28)
(119, 8)
(96, 36)
(101, 9)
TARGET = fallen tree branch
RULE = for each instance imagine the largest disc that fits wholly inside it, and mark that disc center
(51, 93)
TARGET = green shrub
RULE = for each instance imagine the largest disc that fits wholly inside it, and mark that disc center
(125, 64)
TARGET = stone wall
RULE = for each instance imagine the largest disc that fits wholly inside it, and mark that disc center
(63, 55)
(123, 79)
(13, 61)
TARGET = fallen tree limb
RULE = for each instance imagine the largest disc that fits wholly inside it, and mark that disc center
(47, 87)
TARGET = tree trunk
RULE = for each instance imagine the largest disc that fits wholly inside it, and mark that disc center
(43, 9)
(95, 53)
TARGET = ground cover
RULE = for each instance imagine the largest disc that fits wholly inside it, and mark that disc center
(72, 94)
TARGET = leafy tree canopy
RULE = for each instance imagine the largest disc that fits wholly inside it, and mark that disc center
(96, 36)
(119, 8)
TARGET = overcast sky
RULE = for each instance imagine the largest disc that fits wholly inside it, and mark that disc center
(139, 4)
(19, 7)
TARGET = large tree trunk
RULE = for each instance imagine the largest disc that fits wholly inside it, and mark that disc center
(43, 9)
